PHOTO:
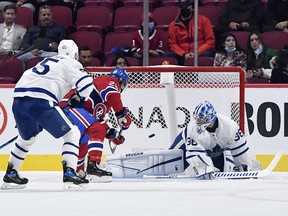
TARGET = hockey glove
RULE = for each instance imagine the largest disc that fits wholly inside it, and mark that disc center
(114, 136)
(240, 168)
(76, 101)
(124, 119)
(118, 140)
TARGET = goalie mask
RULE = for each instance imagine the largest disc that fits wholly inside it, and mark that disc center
(121, 75)
(68, 48)
(204, 114)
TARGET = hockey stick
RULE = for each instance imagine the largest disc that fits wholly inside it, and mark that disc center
(230, 175)
(10, 141)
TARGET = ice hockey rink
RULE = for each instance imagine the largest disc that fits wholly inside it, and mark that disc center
(44, 196)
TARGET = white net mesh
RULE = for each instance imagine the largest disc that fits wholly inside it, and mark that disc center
(161, 100)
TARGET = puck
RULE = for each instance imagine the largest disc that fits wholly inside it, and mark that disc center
(151, 135)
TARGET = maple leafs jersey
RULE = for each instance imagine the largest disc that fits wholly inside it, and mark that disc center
(52, 78)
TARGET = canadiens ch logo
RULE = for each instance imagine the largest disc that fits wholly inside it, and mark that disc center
(3, 118)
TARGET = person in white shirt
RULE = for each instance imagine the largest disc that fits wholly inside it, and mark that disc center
(11, 34)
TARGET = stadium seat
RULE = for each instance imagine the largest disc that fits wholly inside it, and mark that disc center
(275, 39)
(128, 18)
(108, 4)
(32, 62)
(202, 61)
(242, 38)
(137, 3)
(170, 2)
(116, 40)
(93, 18)
(219, 3)
(62, 15)
(91, 39)
(212, 12)
(159, 60)
(164, 16)
(95, 62)
(11, 70)
(24, 17)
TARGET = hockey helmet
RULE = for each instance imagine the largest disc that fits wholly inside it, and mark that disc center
(204, 114)
(121, 75)
(68, 48)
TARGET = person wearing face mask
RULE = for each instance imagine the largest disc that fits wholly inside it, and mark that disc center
(181, 34)
(231, 54)
(259, 59)
(155, 40)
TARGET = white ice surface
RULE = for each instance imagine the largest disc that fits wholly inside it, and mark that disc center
(44, 196)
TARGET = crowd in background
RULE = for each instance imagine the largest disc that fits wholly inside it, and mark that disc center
(217, 42)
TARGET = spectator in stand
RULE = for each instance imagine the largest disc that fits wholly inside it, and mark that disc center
(240, 15)
(11, 35)
(231, 54)
(51, 33)
(85, 56)
(280, 72)
(155, 40)
(259, 58)
(181, 34)
(276, 16)
(120, 61)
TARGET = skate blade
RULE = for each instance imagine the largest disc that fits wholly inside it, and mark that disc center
(73, 187)
(12, 186)
(97, 179)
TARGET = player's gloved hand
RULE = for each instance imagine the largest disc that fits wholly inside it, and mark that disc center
(124, 119)
(240, 168)
(76, 101)
(118, 140)
(215, 152)
(206, 176)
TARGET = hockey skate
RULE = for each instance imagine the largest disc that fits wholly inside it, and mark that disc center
(97, 175)
(12, 179)
(72, 181)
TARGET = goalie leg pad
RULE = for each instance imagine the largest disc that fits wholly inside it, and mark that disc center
(138, 164)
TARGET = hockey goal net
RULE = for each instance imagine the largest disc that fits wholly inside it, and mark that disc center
(161, 100)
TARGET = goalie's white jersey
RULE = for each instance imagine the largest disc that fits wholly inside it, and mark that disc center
(227, 136)
(52, 78)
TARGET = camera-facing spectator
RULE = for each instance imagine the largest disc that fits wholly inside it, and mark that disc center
(11, 35)
(230, 54)
(258, 57)
(181, 34)
(51, 34)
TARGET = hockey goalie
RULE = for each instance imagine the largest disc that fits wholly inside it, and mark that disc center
(210, 143)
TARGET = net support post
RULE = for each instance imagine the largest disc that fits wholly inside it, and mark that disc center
(167, 79)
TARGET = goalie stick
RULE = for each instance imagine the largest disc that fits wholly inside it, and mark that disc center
(230, 175)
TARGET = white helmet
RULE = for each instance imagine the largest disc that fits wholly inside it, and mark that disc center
(69, 48)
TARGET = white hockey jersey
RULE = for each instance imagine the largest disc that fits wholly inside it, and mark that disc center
(227, 137)
(52, 78)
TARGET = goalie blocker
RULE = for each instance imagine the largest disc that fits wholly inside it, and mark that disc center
(138, 164)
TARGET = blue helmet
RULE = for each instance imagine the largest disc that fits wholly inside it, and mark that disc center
(121, 75)
(204, 114)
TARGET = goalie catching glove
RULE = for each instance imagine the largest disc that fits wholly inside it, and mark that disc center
(124, 119)
(115, 137)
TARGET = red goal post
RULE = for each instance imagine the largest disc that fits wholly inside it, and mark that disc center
(161, 99)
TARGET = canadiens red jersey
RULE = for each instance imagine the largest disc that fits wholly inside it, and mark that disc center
(105, 94)
(155, 41)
